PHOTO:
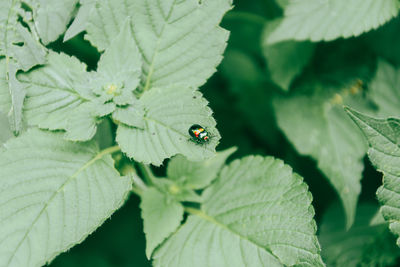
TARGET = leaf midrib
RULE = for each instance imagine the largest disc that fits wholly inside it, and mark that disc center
(156, 50)
(73, 176)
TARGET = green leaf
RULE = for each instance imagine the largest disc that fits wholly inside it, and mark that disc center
(54, 91)
(83, 126)
(131, 115)
(362, 245)
(21, 51)
(161, 217)
(17, 92)
(197, 175)
(282, 3)
(53, 195)
(384, 90)
(180, 41)
(5, 131)
(318, 20)
(384, 137)
(287, 59)
(317, 126)
(377, 219)
(257, 213)
(176, 191)
(120, 67)
(80, 20)
(5, 97)
(384, 41)
(169, 113)
(60, 97)
(52, 17)
(12, 34)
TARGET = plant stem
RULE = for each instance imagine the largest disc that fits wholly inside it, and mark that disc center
(147, 173)
(108, 150)
(249, 17)
(138, 185)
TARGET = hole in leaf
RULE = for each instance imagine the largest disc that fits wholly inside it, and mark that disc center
(19, 44)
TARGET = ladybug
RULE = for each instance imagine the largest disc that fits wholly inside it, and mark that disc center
(199, 134)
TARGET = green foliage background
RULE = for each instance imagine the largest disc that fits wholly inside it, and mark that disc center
(285, 100)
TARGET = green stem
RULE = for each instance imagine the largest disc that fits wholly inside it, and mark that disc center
(108, 150)
(138, 185)
(147, 173)
(249, 17)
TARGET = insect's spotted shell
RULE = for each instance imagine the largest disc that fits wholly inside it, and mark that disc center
(199, 134)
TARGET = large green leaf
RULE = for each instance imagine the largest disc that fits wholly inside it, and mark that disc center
(161, 216)
(317, 126)
(60, 96)
(286, 59)
(52, 17)
(180, 41)
(384, 90)
(53, 195)
(169, 113)
(257, 213)
(197, 175)
(362, 245)
(55, 90)
(326, 20)
(384, 137)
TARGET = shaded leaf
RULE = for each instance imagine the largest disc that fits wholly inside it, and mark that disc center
(177, 191)
(197, 175)
(384, 90)
(326, 20)
(317, 126)
(362, 245)
(285, 59)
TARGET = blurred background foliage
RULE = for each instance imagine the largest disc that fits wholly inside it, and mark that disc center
(241, 94)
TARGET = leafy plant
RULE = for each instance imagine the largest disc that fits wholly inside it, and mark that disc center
(97, 99)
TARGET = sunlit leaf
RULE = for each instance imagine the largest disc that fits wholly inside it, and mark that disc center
(53, 195)
(257, 213)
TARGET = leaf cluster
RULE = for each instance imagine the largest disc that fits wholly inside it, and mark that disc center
(96, 99)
